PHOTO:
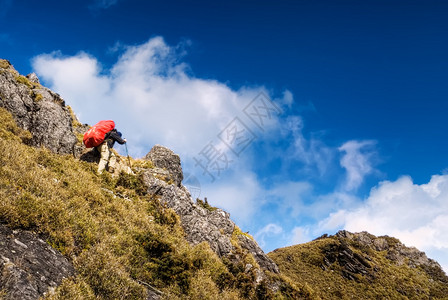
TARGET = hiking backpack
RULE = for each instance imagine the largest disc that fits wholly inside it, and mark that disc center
(96, 134)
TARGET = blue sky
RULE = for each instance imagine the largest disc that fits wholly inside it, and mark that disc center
(352, 96)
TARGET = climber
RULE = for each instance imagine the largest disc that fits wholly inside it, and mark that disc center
(108, 157)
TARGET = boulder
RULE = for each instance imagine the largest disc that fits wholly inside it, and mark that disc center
(164, 158)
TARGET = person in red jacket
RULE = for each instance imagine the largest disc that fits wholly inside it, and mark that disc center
(108, 157)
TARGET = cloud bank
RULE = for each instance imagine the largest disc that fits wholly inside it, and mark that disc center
(150, 95)
(153, 99)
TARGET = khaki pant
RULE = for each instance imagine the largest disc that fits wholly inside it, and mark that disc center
(108, 158)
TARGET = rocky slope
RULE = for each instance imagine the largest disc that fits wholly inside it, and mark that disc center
(363, 266)
(37, 109)
(51, 126)
(157, 177)
(140, 235)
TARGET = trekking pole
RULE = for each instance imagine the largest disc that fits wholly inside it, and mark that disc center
(127, 153)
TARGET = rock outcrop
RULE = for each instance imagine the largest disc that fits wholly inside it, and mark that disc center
(164, 158)
(351, 263)
(29, 267)
(200, 223)
(37, 109)
(398, 253)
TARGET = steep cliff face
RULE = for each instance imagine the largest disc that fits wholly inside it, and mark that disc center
(37, 109)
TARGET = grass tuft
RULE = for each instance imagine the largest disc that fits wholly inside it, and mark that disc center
(204, 204)
(23, 80)
(9, 129)
(4, 64)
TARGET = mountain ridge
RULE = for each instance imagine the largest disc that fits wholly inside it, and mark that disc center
(368, 267)
(141, 235)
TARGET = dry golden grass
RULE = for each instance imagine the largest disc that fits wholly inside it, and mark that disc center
(118, 237)
(115, 235)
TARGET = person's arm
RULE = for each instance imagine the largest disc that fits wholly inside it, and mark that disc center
(114, 135)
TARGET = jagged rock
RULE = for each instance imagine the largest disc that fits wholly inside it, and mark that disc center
(380, 244)
(263, 260)
(33, 78)
(37, 109)
(396, 251)
(79, 150)
(199, 223)
(29, 267)
(164, 158)
(350, 262)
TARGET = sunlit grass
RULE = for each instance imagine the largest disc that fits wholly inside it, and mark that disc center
(116, 235)
(388, 281)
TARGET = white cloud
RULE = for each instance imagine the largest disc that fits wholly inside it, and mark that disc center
(78, 80)
(357, 161)
(270, 230)
(300, 235)
(312, 152)
(290, 196)
(323, 205)
(288, 98)
(415, 214)
(237, 194)
(150, 95)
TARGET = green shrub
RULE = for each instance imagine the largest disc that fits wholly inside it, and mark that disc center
(72, 289)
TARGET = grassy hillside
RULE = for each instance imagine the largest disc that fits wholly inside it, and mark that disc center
(340, 268)
(122, 241)
(119, 238)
